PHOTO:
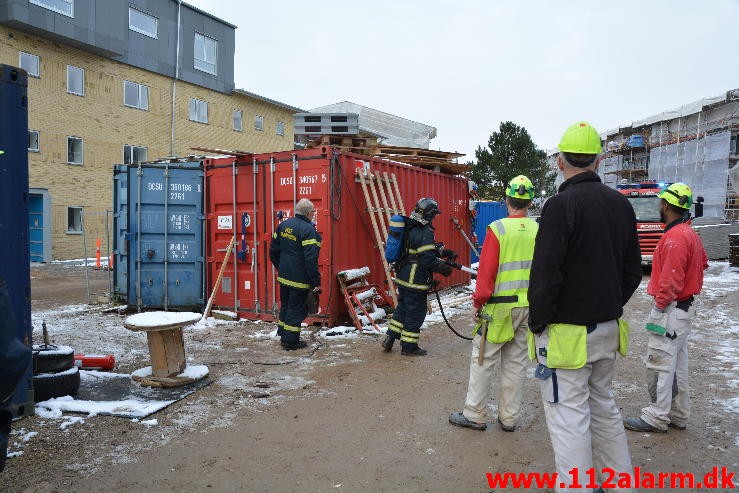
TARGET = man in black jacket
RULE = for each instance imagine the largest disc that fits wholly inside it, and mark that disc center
(586, 266)
(15, 358)
(414, 277)
(294, 253)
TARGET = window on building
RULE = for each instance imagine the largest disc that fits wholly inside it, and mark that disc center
(75, 80)
(206, 51)
(135, 95)
(142, 23)
(134, 154)
(33, 140)
(259, 123)
(30, 63)
(198, 110)
(238, 118)
(65, 7)
(74, 150)
(280, 128)
(74, 219)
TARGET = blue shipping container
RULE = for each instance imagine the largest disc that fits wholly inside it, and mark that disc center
(14, 246)
(487, 212)
(158, 242)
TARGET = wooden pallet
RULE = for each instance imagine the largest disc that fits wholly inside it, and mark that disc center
(363, 299)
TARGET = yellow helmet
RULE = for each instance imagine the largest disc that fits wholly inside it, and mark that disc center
(580, 138)
(520, 188)
(678, 194)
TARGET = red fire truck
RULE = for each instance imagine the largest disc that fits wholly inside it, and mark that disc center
(643, 198)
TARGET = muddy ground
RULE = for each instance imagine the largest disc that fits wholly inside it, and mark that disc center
(341, 415)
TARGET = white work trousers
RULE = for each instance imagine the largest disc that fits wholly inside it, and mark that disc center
(584, 422)
(667, 362)
(512, 358)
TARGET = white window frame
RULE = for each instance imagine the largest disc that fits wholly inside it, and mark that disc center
(280, 129)
(240, 126)
(142, 95)
(259, 123)
(128, 153)
(52, 5)
(73, 230)
(134, 11)
(38, 141)
(82, 150)
(32, 57)
(196, 108)
(201, 62)
(71, 69)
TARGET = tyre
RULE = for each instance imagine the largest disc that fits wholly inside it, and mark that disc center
(49, 385)
(52, 359)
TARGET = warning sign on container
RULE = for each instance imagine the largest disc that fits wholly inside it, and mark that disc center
(225, 222)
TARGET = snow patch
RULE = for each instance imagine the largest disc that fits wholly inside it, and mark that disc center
(352, 274)
(156, 319)
(58, 350)
(53, 408)
(195, 371)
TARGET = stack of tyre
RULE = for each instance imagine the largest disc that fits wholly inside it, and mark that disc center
(54, 372)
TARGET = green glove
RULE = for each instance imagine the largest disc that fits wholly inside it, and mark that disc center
(657, 323)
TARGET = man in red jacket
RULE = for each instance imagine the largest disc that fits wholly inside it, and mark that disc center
(677, 276)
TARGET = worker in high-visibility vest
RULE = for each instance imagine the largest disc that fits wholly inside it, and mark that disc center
(500, 298)
(586, 266)
(677, 276)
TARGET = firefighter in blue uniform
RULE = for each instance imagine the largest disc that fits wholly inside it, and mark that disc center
(414, 278)
(294, 253)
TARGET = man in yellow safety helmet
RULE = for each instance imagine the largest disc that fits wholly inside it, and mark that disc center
(677, 276)
(500, 304)
(586, 266)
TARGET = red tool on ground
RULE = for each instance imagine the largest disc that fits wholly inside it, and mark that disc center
(104, 362)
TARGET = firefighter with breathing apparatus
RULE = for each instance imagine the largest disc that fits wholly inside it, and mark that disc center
(420, 258)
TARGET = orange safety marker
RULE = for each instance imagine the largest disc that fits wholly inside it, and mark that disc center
(97, 253)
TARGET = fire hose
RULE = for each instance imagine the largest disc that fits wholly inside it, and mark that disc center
(463, 268)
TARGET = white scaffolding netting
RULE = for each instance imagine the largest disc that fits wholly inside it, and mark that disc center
(701, 163)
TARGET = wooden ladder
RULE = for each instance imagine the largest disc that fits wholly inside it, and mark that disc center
(364, 300)
(383, 199)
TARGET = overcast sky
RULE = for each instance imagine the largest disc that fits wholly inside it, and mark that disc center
(464, 66)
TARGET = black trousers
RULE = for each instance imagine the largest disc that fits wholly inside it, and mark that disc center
(293, 310)
(5, 419)
(408, 317)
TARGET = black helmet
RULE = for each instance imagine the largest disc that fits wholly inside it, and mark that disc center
(427, 208)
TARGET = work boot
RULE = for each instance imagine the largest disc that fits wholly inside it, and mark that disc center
(292, 346)
(387, 344)
(459, 419)
(413, 351)
(638, 424)
(505, 427)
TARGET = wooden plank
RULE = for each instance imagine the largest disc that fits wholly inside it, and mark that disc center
(167, 352)
(381, 186)
(397, 192)
(383, 226)
(378, 239)
(393, 203)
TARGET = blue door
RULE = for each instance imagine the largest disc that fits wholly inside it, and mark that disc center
(36, 226)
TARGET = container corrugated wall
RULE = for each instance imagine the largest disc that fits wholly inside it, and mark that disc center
(158, 227)
(14, 244)
(248, 197)
(487, 212)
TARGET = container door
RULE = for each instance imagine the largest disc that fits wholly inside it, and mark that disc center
(36, 226)
(234, 211)
(165, 237)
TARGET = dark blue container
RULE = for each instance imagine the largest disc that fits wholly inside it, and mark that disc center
(487, 212)
(14, 252)
(158, 241)
(636, 140)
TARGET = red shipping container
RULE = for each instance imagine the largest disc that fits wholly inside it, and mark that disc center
(248, 196)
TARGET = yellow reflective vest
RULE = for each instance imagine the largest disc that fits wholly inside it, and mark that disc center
(516, 236)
